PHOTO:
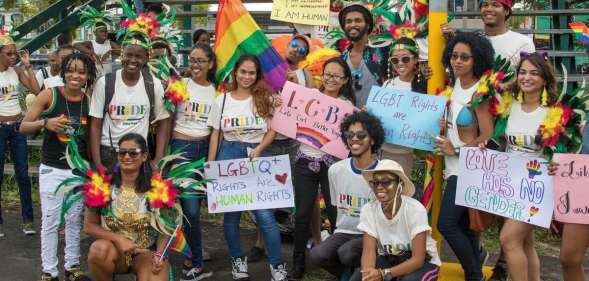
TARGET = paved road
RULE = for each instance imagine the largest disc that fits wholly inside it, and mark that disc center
(20, 261)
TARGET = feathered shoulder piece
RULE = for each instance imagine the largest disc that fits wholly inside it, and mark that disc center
(177, 178)
(560, 131)
(490, 84)
(7, 36)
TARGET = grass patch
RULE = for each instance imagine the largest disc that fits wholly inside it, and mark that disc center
(546, 243)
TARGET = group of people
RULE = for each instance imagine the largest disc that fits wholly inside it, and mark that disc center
(116, 118)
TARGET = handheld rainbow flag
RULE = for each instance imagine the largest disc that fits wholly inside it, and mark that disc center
(581, 30)
(180, 244)
(237, 33)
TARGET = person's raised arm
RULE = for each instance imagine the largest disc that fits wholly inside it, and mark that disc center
(29, 79)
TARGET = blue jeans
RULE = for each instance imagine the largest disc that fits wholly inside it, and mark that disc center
(264, 218)
(10, 137)
(455, 227)
(193, 151)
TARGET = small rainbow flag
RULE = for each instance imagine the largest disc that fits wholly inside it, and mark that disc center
(180, 244)
(581, 30)
(237, 33)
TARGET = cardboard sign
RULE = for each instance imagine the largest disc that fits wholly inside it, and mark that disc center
(571, 188)
(410, 119)
(506, 184)
(312, 12)
(313, 118)
(244, 184)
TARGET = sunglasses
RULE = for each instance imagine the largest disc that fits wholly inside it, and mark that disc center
(329, 76)
(462, 57)
(382, 182)
(402, 59)
(359, 134)
(300, 49)
(133, 153)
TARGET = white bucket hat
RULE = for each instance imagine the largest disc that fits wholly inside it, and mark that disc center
(386, 165)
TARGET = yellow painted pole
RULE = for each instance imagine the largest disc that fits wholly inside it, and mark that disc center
(438, 14)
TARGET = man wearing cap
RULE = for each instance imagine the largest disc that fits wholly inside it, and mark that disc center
(507, 43)
(340, 254)
(368, 64)
(101, 49)
(397, 242)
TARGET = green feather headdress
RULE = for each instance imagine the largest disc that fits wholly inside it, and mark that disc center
(90, 17)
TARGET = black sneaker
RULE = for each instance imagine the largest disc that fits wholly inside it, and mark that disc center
(239, 269)
(76, 274)
(195, 274)
(47, 277)
(28, 228)
(499, 272)
(255, 254)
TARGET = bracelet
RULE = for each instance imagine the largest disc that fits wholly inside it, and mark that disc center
(381, 273)
(158, 254)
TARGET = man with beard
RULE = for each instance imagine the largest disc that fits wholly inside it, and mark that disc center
(127, 101)
(339, 254)
(368, 64)
(507, 43)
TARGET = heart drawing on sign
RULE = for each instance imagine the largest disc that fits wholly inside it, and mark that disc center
(281, 178)
(207, 166)
(213, 206)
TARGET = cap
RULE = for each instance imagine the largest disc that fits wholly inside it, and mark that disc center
(356, 8)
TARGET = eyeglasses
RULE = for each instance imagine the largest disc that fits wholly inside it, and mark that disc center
(329, 76)
(382, 182)
(199, 62)
(396, 61)
(359, 134)
(300, 49)
(462, 57)
(133, 152)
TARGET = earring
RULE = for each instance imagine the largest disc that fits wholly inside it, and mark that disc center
(520, 97)
(544, 97)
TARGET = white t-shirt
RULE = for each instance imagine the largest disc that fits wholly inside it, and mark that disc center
(49, 82)
(9, 105)
(192, 115)
(101, 49)
(460, 98)
(510, 44)
(239, 120)
(395, 236)
(398, 84)
(522, 129)
(128, 111)
(349, 192)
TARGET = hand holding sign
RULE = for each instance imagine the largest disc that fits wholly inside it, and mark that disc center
(244, 184)
(410, 119)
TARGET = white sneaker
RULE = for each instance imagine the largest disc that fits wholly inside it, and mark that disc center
(278, 273)
(239, 268)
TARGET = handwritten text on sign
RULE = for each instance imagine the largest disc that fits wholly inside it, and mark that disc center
(571, 188)
(312, 118)
(311, 12)
(244, 184)
(505, 184)
(410, 119)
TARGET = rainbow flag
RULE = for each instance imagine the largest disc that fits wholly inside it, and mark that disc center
(179, 243)
(237, 33)
(581, 30)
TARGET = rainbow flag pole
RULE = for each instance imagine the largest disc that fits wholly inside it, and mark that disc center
(236, 33)
(170, 242)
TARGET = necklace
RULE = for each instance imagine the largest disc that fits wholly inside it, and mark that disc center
(74, 123)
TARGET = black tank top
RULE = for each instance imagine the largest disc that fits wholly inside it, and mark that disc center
(54, 144)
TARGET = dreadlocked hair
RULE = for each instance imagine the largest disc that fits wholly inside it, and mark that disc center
(89, 66)
(260, 91)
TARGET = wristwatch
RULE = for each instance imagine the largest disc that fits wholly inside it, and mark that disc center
(388, 275)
